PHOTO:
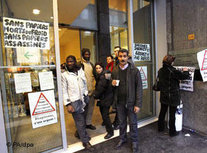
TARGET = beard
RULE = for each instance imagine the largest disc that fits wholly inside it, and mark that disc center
(86, 58)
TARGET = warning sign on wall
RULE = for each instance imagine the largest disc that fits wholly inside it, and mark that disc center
(202, 61)
(42, 108)
(143, 72)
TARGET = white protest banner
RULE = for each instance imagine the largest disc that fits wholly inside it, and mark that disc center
(42, 108)
(22, 82)
(141, 52)
(25, 33)
(143, 72)
(202, 62)
(46, 80)
(187, 84)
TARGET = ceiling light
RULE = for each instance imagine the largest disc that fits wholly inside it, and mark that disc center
(36, 11)
(51, 17)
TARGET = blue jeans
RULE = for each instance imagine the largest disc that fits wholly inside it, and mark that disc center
(123, 113)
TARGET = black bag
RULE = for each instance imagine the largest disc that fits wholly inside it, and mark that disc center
(156, 86)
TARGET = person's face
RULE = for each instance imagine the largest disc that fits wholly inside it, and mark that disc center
(86, 56)
(116, 50)
(99, 69)
(109, 59)
(123, 58)
(70, 63)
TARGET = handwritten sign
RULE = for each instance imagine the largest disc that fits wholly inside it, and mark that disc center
(141, 52)
(25, 33)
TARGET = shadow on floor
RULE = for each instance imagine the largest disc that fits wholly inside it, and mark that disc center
(151, 141)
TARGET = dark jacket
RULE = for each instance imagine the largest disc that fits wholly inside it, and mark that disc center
(134, 86)
(169, 84)
(103, 90)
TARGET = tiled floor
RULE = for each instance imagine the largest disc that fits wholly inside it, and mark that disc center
(151, 141)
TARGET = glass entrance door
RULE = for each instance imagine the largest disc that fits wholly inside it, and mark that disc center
(28, 79)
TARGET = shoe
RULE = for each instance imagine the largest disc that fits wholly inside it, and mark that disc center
(90, 127)
(134, 147)
(108, 135)
(120, 143)
(76, 134)
(88, 146)
(172, 134)
(116, 127)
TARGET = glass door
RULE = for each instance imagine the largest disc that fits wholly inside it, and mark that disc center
(29, 94)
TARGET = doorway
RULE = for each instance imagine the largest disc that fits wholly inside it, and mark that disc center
(71, 43)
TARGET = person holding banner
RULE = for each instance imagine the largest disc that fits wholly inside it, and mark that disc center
(169, 92)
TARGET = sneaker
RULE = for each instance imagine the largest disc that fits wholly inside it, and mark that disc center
(90, 127)
(108, 135)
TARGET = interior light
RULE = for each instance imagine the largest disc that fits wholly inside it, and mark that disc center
(51, 17)
(36, 11)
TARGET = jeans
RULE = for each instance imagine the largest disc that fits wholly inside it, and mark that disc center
(80, 123)
(123, 113)
(89, 111)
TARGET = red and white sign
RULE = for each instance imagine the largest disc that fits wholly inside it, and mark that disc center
(42, 108)
(202, 61)
(143, 72)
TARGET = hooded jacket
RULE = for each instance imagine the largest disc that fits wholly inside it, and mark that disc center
(74, 86)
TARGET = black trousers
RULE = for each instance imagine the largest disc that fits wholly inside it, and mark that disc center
(161, 120)
(105, 116)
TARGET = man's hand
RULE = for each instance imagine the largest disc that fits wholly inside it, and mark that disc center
(70, 109)
(113, 82)
(136, 109)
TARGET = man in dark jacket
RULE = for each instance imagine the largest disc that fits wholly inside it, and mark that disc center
(127, 82)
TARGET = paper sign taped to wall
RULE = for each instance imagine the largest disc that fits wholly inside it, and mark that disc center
(141, 52)
(42, 108)
(22, 82)
(25, 34)
(46, 80)
(202, 62)
(187, 84)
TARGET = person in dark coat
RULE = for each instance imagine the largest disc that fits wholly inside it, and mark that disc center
(169, 92)
(104, 95)
(127, 83)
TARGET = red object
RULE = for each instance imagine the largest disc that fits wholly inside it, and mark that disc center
(110, 65)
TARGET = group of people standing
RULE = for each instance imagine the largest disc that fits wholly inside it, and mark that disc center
(118, 85)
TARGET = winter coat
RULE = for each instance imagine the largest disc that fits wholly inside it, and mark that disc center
(169, 84)
(103, 90)
(88, 68)
(133, 86)
(74, 86)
